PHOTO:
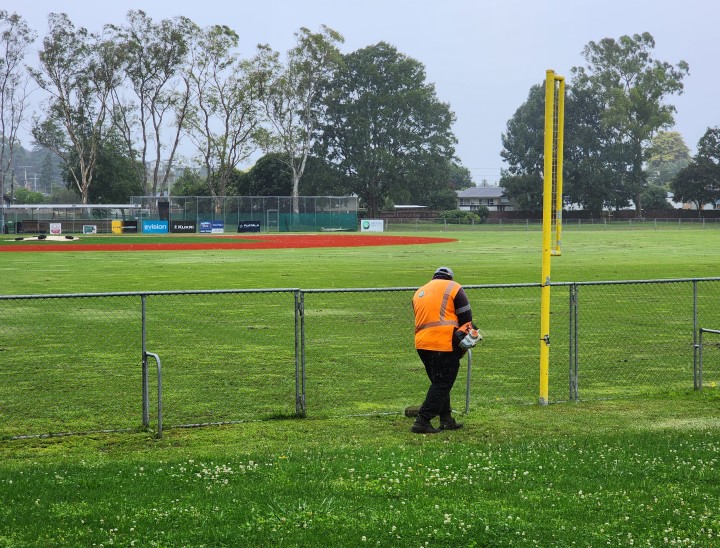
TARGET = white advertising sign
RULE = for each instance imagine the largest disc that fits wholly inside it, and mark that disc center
(372, 225)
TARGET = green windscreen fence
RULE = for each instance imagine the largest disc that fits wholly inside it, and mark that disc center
(271, 213)
(289, 222)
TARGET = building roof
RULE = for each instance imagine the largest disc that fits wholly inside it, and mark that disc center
(72, 206)
(481, 192)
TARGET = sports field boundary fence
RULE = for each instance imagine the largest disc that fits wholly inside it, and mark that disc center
(331, 215)
(393, 224)
(94, 362)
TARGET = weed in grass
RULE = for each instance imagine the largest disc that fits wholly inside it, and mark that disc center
(650, 488)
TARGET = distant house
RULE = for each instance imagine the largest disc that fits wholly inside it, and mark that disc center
(670, 198)
(692, 205)
(492, 197)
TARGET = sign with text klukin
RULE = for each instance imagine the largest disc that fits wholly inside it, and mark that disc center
(189, 227)
(249, 226)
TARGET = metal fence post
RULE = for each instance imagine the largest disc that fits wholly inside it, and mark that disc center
(697, 370)
(695, 335)
(300, 406)
(145, 391)
(573, 343)
(159, 393)
(467, 385)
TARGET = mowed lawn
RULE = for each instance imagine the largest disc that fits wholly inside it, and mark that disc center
(619, 472)
(481, 257)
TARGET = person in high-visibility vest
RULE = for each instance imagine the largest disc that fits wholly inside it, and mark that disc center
(443, 333)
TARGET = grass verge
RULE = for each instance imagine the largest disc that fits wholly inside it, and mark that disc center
(618, 472)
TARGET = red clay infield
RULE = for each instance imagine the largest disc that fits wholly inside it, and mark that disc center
(264, 241)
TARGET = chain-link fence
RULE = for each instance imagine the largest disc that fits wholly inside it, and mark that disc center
(271, 213)
(79, 363)
(69, 363)
(491, 224)
(189, 213)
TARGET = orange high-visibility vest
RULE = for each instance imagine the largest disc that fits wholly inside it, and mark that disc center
(435, 318)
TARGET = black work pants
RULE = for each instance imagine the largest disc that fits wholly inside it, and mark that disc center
(442, 370)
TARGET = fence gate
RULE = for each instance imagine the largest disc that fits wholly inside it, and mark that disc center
(273, 219)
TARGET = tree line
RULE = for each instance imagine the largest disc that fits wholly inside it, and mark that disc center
(618, 149)
(118, 106)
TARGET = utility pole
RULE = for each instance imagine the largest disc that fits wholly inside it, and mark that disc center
(26, 179)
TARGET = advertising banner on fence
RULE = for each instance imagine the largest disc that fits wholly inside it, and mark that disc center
(249, 226)
(154, 227)
(92, 229)
(212, 227)
(55, 229)
(372, 225)
(189, 227)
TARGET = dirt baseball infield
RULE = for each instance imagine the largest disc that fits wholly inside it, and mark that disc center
(263, 241)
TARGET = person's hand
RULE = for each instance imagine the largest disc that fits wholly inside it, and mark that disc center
(472, 337)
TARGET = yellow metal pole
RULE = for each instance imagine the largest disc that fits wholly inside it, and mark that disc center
(560, 109)
(546, 238)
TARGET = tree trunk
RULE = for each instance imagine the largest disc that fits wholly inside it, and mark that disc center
(296, 192)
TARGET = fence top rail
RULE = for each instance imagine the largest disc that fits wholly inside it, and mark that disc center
(716, 331)
(410, 288)
(147, 293)
(337, 290)
(357, 289)
(620, 282)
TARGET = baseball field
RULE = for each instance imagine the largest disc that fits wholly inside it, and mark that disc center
(619, 471)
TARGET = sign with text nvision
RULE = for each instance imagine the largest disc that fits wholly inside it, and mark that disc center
(154, 227)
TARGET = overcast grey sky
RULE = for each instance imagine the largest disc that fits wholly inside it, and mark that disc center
(482, 56)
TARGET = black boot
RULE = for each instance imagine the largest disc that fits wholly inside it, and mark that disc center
(448, 423)
(422, 426)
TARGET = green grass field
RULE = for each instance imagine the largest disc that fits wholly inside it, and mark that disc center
(483, 257)
(619, 472)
